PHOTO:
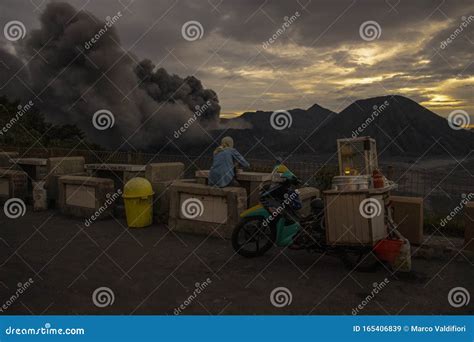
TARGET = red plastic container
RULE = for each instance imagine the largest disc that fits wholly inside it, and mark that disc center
(388, 250)
(377, 178)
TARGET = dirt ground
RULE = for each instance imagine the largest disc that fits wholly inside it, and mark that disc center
(154, 271)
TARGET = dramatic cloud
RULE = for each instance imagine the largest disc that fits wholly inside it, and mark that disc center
(319, 58)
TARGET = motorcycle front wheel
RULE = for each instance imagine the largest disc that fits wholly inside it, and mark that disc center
(252, 238)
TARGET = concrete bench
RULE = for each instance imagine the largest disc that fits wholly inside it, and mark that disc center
(36, 168)
(469, 228)
(408, 215)
(119, 173)
(250, 181)
(205, 210)
(13, 183)
(83, 196)
(6, 158)
(161, 176)
(58, 167)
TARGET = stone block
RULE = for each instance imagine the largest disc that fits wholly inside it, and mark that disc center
(61, 166)
(84, 196)
(469, 227)
(52, 186)
(205, 210)
(162, 172)
(307, 194)
(161, 198)
(13, 183)
(408, 215)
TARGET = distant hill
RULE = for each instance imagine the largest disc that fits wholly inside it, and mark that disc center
(301, 119)
(400, 126)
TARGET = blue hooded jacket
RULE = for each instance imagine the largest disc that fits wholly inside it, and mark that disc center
(222, 169)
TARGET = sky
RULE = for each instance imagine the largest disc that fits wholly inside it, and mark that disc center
(270, 55)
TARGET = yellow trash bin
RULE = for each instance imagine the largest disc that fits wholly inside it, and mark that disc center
(138, 198)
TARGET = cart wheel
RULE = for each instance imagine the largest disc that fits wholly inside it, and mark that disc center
(361, 260)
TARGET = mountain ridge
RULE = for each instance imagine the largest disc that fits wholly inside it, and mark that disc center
(399, 124)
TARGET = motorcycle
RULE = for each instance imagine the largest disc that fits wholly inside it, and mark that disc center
(275, 222)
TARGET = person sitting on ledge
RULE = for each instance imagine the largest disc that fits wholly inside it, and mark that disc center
(226, 158)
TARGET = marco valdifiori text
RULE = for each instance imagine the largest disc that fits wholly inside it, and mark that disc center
(438, 328)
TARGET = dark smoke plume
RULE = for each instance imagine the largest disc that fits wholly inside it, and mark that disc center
(163, 87)
(75, 77)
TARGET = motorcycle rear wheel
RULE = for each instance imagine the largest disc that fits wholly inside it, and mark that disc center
(251, 232)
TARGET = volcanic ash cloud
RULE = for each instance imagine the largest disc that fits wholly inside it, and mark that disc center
(74, 78)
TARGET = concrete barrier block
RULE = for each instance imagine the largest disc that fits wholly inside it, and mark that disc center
(469, 228)
(161, 199)
(83, 196)
(52, 186)
(307, 194)
(408, 215)
(162, 172)
(61, 166)
(13, 183)
(201, 209)
(6, 158)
